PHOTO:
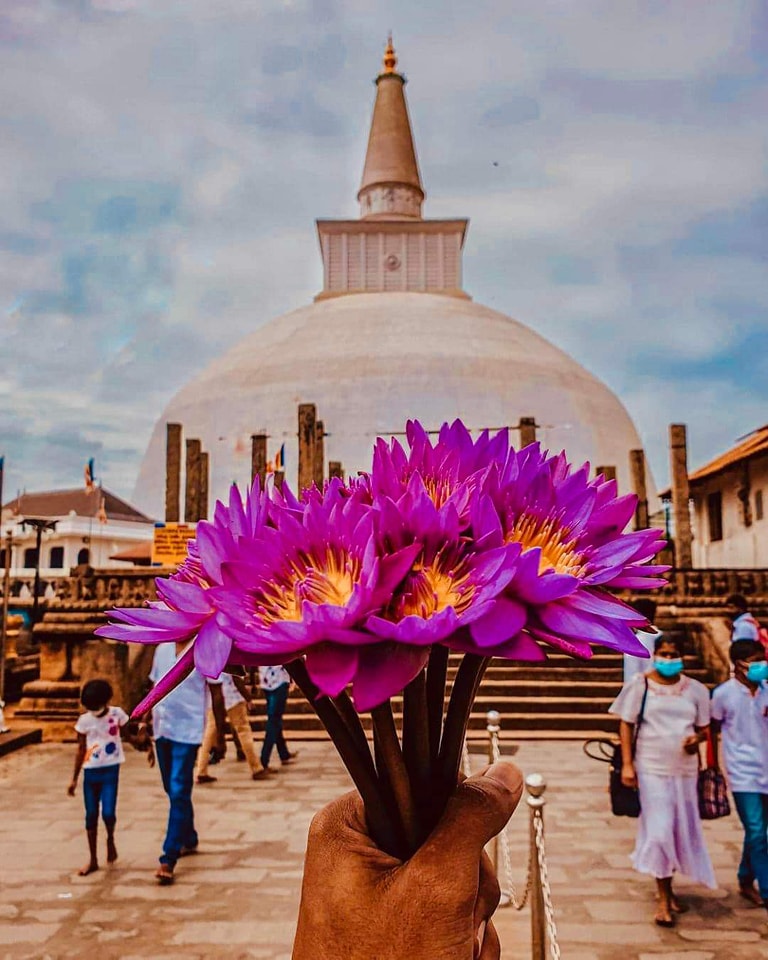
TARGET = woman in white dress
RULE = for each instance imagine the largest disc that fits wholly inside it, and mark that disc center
(665, 769)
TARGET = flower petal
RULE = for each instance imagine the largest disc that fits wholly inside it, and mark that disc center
(331, 667)
(385, 670)
(505, 620)
(178, 672)
(212, 648)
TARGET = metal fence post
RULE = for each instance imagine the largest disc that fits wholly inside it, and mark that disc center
(536, 785)
(493, 725)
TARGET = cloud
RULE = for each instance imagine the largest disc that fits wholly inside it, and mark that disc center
(164, 164)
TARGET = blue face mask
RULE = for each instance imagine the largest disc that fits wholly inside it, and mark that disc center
(668, 668)
(757, 671)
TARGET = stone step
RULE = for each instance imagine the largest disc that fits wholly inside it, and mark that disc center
(298, 723)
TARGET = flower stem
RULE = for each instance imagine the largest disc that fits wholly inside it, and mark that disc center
(416, 742)
(349, 715)
(396, 772)
(437, 671)
(465, 687)
(363, 773)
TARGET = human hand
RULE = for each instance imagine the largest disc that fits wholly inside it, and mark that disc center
(691, 744)
(150, 754)
(72, 787)
(358, 902)
(629, 776)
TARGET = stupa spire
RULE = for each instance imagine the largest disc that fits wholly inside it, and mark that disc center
(391, 187)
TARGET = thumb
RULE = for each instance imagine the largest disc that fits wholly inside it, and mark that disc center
(478, 810)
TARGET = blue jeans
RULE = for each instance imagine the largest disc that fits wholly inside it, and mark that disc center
(177, 768)
(753, 813)
(100, 785)
(273, 732)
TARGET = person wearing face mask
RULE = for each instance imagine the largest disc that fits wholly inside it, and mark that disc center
(740, 716)
(665, 765)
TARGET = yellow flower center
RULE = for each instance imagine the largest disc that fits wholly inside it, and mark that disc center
(330, 579)
(558, 552)
(435, 586)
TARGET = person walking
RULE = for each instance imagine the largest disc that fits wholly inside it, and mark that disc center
(237, 699)
(100, 731)
(178, 721)
(276, 683)
(740, 716)
(745, 626)
(675, 719)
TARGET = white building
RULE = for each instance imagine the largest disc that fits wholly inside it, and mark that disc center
(730, 506)
(91, 526)
(391, 336)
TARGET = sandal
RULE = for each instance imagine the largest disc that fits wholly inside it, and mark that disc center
(164, 875)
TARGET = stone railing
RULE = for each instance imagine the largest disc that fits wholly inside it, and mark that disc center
(87, 590)
(711, 588)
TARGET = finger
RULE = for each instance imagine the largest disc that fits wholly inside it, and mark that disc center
(488, 892)
(490, 948)
(479, 808)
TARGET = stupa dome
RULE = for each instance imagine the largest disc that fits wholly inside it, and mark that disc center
(369, 362)
(391, 337)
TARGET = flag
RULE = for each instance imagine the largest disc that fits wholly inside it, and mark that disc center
(90, 480)
(280, 459)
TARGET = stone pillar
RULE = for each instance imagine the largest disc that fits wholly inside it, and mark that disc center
(527, 426)
(608, 472)
(318, 473)
(678, 452)
(279, 477)
(173, 472)
(259, 458)
(192, 482)
(307, 443)
(637, 472)
(335, 469)
(205, 468)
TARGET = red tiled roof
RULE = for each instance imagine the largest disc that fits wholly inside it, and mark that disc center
(754, 444)
(60, 503)
(140, 553)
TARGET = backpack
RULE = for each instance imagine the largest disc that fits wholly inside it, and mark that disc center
(762, 632)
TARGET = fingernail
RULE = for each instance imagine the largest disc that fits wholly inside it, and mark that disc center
(507, 774)
(479, 937)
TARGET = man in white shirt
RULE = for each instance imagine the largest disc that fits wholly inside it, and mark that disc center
(745, 627)
(740, 713)
(178, 721)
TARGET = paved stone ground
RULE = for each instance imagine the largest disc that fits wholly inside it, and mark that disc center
(238, 898)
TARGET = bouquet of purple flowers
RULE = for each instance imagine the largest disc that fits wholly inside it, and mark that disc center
(364, 588)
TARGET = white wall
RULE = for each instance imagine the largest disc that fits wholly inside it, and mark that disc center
(741, 546)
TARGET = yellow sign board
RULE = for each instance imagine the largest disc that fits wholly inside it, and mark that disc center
(169, 543)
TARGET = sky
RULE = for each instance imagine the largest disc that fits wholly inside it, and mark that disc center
(163, 162)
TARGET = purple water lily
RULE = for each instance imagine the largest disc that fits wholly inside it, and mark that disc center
(184, 611)
(570, 531)
(307, 588)
(449, 469)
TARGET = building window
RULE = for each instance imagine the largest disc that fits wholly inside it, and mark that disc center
(758, 504)
(30, 558)
(56, 561)
(84, 556)
(715, 516)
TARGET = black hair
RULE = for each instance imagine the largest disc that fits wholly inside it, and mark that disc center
(671, 641)
(96, 694)
(646, 608)
(744, 649)
(738, 601)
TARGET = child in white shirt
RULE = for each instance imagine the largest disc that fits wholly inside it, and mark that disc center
(100, 732)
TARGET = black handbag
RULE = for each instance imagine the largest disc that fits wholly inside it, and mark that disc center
(625, 801)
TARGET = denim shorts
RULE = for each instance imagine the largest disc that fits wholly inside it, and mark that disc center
(100, 785)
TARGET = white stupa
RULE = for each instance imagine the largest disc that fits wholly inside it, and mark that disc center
(392, 336)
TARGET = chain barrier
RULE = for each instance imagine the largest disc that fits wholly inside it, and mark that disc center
(537, 887)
